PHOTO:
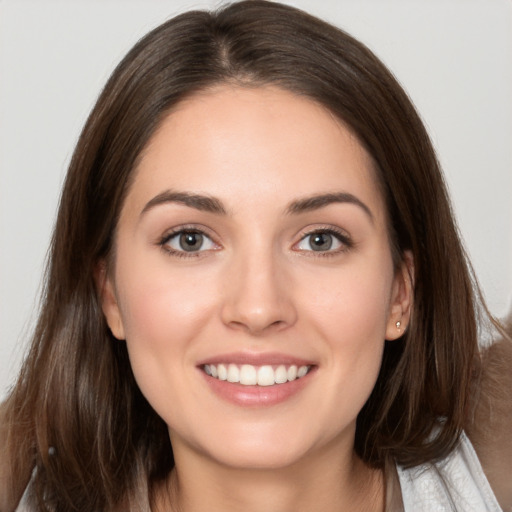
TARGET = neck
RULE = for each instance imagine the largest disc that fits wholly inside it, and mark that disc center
(321, 482)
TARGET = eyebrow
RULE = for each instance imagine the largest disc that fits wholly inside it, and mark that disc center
(213, 205)
(321, 200)
(197, 201)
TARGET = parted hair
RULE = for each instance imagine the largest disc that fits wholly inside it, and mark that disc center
(76, 414)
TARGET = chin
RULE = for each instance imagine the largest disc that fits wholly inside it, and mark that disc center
(267, 447)
(259, 457)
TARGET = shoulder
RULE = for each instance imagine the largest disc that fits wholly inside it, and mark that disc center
(490, 424)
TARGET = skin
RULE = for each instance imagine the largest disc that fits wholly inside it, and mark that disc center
(257, 287)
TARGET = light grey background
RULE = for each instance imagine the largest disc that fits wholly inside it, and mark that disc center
(454, 57)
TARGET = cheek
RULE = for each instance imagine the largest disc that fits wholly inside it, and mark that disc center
(354, 305)
(350, 313)
(159, 302)
(163, 310)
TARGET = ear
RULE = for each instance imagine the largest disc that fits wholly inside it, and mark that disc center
(107, 295)
(400, 311)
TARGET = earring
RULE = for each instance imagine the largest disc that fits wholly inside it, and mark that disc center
(398, 324)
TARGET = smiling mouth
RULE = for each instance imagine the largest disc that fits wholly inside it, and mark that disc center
(249, 375)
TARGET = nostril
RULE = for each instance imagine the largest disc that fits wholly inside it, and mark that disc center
(258, 326)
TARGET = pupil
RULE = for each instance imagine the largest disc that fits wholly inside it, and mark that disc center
(191, 241)
(321, 242)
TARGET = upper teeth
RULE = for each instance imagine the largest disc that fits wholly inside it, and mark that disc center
(249, 375)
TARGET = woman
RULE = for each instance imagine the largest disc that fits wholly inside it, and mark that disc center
(256, 297)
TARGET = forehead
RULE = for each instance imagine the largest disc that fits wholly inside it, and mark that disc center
(242, 144)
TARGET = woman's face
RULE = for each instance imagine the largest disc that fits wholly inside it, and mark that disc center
(252, 247)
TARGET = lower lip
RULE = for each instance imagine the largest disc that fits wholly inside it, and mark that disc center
(257, 396)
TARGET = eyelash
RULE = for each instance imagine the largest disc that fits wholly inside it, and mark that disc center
(340, 236)
(164, 241)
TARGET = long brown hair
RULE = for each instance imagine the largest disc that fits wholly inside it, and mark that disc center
(76, 413)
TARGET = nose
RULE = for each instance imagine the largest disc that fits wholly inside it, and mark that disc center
(258, 296)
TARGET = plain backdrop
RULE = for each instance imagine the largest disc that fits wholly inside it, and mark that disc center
(454, 57)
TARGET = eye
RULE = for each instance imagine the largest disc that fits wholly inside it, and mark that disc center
(324, 240)
(190, 241)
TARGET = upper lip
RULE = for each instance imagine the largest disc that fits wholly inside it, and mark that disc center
(255, 359)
